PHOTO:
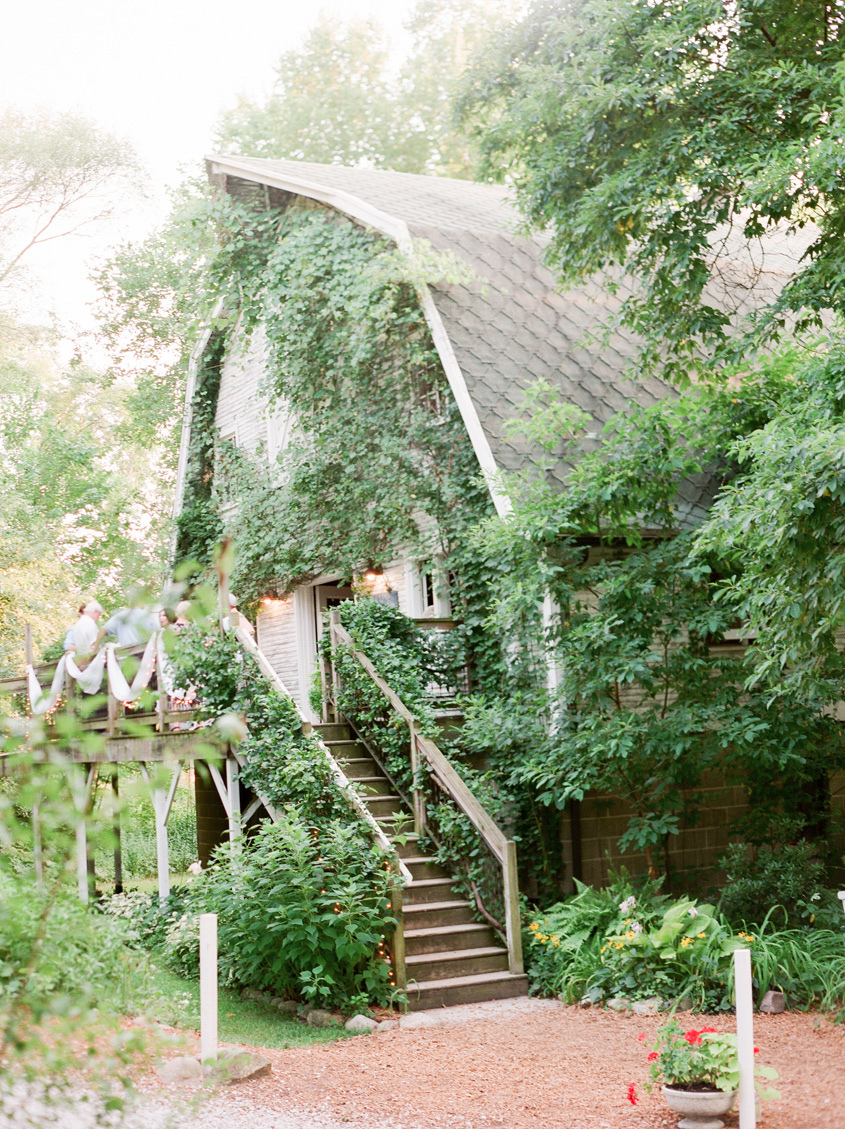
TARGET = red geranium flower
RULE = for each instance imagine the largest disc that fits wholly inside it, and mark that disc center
(641, 1037)
(632, 1093)
(652, 1056)
(693, 1037)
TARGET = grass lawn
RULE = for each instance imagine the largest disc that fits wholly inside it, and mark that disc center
(177, 1003)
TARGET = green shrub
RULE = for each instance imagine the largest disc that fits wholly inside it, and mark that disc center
(302, 912)
(784, 883)
(54, 948)
(147, 916)
(641, 945)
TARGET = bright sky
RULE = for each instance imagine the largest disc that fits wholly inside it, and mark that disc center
(159, 74)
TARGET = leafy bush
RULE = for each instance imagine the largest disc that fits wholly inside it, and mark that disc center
(782, 883)
(302, 911)
(301, 905)
(147, 916)
(603, 945)
(53, 948)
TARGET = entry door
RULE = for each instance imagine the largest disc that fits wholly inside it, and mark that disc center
(328, 596)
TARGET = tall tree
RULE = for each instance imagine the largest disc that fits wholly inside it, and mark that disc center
(80, 505)
(338, 101)
(650, 134)
(53, 172)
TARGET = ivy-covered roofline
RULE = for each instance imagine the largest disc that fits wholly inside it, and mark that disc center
(357, 209)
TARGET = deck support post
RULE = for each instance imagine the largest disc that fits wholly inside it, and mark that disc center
(233, 791)
(115, 810)
(162, 803)
(81, 784)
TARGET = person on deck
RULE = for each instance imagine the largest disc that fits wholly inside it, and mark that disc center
(85, 634)
(68, 643)
(131, 626)
(242, 620)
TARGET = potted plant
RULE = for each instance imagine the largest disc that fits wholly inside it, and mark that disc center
(699, 1069)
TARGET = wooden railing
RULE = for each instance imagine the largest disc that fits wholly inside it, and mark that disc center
(423, 750)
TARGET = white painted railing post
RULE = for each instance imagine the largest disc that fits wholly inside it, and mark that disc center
(745, 1037)
(208, 986)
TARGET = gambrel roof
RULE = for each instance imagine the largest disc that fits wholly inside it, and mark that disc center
(510, 326)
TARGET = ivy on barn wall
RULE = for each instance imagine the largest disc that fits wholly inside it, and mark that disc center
(379, 459)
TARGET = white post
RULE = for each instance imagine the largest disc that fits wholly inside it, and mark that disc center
(37, 846)
(162, 847)
(81, 860)
(208, 986)
(745, 1037)
(841, 896)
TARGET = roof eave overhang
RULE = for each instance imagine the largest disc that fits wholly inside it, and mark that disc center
(397, 230)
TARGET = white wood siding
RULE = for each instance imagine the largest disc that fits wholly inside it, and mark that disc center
(241, 408)
(277, 638)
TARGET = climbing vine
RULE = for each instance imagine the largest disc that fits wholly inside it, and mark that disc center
(379, 457)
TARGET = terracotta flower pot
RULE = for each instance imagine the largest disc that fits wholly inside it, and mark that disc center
(701, 1108)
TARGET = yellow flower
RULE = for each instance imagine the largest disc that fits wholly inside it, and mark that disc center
(534, 926)
(542, 938)
(686, 941)
(700, 935)
(555, 942)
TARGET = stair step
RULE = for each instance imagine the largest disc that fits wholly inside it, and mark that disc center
(451, 963)
(333, 731)
(422, 867)
(349, 747)
(358, 767)
(466, 990)
(391, 826)
(384, 805)
(373, 785)
(440, 938)
(427, 890)
(409, 847)
(431, 915)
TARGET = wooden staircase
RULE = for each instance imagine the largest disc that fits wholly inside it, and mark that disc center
(449, 957)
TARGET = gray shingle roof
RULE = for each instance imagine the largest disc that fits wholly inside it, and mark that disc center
(511, 326)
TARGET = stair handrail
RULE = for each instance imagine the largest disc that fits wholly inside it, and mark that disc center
(339, 776)
(453, 784)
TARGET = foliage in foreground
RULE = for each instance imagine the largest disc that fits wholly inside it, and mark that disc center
(622, 942)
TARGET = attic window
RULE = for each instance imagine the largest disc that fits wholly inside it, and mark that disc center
(429, 395)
